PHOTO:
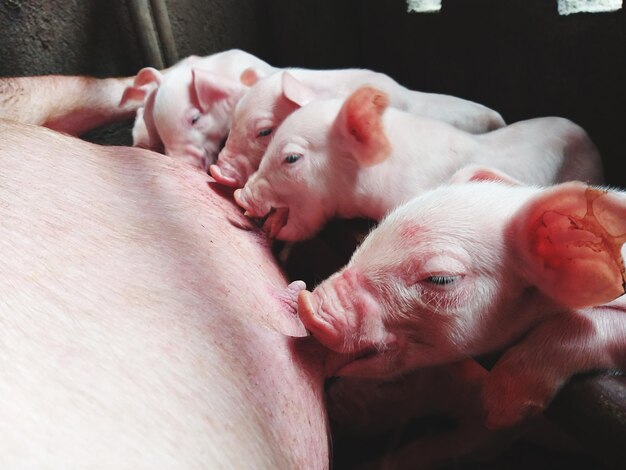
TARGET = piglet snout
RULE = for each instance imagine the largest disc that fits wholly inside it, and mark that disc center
(224, 175)
(254, 199)
(312, 317)
(232, 169)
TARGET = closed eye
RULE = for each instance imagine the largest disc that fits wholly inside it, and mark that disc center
(441, 280)
(264, 132)
(195, 118)
(292, 158)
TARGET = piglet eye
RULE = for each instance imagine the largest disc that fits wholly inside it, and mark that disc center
(264, 132)
(195, 118)
(441, 280)
(292, 158)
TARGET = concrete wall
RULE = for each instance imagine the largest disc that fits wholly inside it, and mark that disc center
(204, 27)
(97, 37)
(64, 36)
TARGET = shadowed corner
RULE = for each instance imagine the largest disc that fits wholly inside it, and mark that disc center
(309, 354)
(592, 408)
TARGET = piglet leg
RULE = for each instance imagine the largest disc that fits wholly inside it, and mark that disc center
(528, 376)
(71, 104)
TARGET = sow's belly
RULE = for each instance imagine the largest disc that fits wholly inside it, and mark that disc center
(142, 323)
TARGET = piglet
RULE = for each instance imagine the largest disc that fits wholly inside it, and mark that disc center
(188, 107)
(478, 266)
(358, 157)
(272, 99)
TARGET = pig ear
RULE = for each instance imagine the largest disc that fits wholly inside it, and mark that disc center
(296, 91)
(211, 87)
(360, 121)
(146, 80)
(148, 75)
(569, 239)
(471, 173)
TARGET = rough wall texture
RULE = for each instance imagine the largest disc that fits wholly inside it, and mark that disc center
(206, 27)
(66, 36)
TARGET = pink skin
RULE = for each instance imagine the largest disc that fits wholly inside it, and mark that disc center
(266, 105)
(70, 104)
(193, 103)
(145, 133)
(441, 279)
(122, 312)
(359, 158)
(151, 333)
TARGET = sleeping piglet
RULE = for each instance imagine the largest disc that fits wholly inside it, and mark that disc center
(269, 101)
(357, 157)
(477, 267)
(188, 107)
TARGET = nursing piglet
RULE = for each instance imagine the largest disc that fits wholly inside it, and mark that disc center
(359, 157)
(272, 99)
(476, 267)
(188, 107)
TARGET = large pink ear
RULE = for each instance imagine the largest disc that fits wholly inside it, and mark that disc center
(146, 80)
(296, 91)
(569, 238)
(360, 120)
(471, 173)
(211, 87)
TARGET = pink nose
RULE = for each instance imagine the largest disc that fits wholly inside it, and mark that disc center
(256, 197)
(224, 174)
(313, 320)
(240, 198)
(233, 168)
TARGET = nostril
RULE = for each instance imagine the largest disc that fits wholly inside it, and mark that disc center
(235, 166)
(240, 198)
(217, 172)
(254, 199)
